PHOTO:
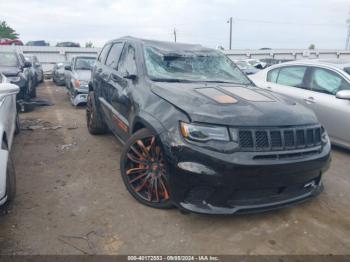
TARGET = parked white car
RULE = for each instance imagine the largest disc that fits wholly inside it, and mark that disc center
(9, 123)
(256, 63)
(323, 86)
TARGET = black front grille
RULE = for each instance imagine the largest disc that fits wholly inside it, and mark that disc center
(276, 139)
(269, 139)
(246, 139)
(261, 139)
(289, 138)
(300, 137)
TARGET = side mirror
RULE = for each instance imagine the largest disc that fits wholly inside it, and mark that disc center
(343, 94)
(37, 64)
(131, 76)
(7, 89)
(259, 66)
(68, 68)
(27, 64)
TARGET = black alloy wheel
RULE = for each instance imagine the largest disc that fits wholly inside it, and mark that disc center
(143, 170)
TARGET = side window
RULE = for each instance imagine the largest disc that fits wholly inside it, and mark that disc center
(326, 81)
(114, 54)
(292, 76)
(272, 75)
(101, 58)
(127, 63)
(21, 59)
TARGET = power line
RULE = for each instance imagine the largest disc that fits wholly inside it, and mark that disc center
(285, 23)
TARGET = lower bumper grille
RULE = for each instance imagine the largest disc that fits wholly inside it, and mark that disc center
(226, 196)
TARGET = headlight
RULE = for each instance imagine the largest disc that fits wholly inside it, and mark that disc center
(324, 135)
(14, 79)
(77, 83)
(203, 133)
(80, 83)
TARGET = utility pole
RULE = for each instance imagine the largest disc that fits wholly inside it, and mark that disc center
(175, 34)
(230, 22)
(347, 44)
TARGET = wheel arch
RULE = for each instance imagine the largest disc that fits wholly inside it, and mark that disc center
(4, 140)
(91, 87)
(145, 120)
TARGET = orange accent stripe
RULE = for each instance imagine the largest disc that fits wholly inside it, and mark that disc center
(121, 124)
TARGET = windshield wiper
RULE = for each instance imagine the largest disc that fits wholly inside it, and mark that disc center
(227, 82)
(171, 80)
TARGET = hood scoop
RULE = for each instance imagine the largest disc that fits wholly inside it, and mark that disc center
(247, 94)
(217, 95)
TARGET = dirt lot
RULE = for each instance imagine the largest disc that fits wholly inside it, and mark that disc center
(71, 200)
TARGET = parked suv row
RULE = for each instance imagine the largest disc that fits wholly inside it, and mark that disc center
(18, 71)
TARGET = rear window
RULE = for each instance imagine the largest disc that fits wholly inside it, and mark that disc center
(8, 59)
(84, 63)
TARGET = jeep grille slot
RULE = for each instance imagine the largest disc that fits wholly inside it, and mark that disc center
(276, 139)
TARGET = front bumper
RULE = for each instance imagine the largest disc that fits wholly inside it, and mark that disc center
(60, 79)
(208, 182)
(80, 96)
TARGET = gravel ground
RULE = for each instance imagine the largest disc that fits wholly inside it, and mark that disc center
(71, 200)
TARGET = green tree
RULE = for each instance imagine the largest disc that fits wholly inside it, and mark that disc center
(7, 32)
(312, 47)
(89, 44)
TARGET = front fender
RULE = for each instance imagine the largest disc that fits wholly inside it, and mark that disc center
(4, 154)
(148, 121)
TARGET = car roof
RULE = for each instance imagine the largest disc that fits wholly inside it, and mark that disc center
(338, 63)
(165, 46)
(9, 51)
(85, 56)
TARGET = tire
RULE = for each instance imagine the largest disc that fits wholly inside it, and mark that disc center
(18, 125)
(42, 78)
(33, 92)
(143, 170)
(94, 121)
(10, 178)
(24, 93)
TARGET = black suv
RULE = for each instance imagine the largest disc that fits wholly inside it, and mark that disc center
(197, 133)
(18, 71)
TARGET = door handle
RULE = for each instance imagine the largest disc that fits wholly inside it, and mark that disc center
(99, 70)
(269, 87)
(310, 100)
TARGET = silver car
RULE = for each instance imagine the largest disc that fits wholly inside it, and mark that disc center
(58, 73)
(323, 86)
(77, 77)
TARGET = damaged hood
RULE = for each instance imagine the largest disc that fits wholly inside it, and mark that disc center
(9, 71)
(233, 105)
(83, 75)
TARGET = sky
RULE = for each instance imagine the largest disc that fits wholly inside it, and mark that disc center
(257, 23)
